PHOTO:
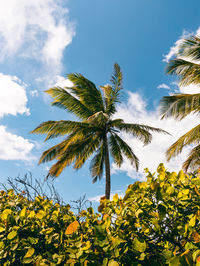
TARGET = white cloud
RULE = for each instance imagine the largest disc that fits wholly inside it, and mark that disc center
(35, 29)
(34, 93)
(13, 101)
(13, 147)
(61, 82)
(191, 89)
(163, 86)
(151, 155)
(174, 49)
(13, 97)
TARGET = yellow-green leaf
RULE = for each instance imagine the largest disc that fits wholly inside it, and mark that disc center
(1, 229)
(31, 214)
(192, 221)
(115, 198)
(29, 253)
(113, 263)
(23, 212)
(40, 214)
(86, 245)
(12, 234)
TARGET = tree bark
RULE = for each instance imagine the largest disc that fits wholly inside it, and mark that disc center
(107, 169)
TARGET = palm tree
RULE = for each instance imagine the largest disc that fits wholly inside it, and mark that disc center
(186, 66)
(95, 132)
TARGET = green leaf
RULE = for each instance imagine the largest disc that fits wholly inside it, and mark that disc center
(113, 263)
(139, 245)
(195, 255)
(175, 261)
(192, 221)
(29, 253)
(2, 229)
(190, 246)
(12, 234)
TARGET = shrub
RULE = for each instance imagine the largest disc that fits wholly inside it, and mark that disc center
(156, 223)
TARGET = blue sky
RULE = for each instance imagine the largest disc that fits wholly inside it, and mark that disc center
(41, 41)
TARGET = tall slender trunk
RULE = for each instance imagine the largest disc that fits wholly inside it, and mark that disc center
(107, 168)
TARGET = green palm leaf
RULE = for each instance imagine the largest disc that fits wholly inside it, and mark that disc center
(139, 131)
(191, 137)
(126, 149)
(97, 164)
(64, 100)
(188, 72)
(87, 92)
(193, 161)
(115, 150)
(179, 105)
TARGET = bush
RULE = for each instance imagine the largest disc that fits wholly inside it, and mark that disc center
(156, 223)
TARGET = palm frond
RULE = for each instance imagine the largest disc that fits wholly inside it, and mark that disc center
(65, 100)
(126, 149)
(76, 152)
(117, 78)
(115, 150)
(97, 164)
(188, 72)
(112, 92)
(190, 48)
(87, 92)
(139, 131)
(193, 161)
(53, 152)
(85, 150)
(55, 129)
(179, 105)
(191, 137)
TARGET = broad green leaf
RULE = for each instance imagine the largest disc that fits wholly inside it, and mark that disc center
(2, 229)
(12, 235)
(175, 261)
(139, 245)
(195, 255)
(29, 253)
(86, 245)
(23, 212)
(113, 263)
(31, 214)
(41, 214)
(192, 221)
(115, 198)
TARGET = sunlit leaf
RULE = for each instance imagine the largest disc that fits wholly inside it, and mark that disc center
(72, 228)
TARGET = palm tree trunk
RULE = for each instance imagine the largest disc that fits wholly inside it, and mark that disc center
(107, 169)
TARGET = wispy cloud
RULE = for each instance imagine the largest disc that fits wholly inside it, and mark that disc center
(163, 86)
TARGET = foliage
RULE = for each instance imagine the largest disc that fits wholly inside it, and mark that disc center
(156, 223)
(186, 67)
(96, 133)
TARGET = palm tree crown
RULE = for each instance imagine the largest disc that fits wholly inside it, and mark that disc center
(186, 66)
(95, 132)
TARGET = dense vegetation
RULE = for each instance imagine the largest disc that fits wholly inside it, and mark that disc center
(156, 223)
